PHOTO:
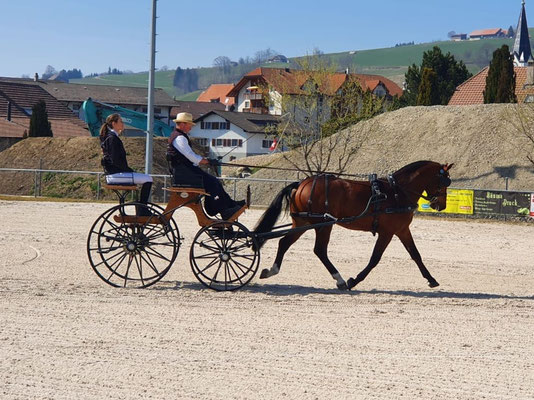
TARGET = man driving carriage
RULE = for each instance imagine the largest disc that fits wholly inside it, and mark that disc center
(184, 167)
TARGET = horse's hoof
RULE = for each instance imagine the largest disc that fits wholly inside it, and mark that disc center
(351, 283)
(264, 273)
(433, 284)
(342, 286)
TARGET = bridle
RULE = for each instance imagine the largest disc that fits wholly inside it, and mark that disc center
(443, 182)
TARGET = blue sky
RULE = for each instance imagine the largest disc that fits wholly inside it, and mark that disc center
(97, 34)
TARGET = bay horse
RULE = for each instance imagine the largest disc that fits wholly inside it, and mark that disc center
(383, 206)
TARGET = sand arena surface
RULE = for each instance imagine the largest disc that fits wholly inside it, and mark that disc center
(65, 334)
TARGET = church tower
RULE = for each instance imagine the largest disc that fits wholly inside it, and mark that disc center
(522, 51)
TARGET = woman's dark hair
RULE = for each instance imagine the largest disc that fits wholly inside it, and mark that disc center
(108, 124)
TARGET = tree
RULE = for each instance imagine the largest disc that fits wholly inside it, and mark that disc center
(451, 34)
(49, 71)
(39, 124)
(428, 91)
(522, 123)
(450, 73)
(500, 82)
(313, 117)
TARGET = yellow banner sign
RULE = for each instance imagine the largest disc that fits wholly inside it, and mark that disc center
(459, 201)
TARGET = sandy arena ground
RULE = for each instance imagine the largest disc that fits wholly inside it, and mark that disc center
(65, 334)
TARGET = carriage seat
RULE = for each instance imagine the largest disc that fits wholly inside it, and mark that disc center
(120, 190)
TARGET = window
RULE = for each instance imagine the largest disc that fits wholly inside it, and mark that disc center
(226, 142)
(215, 125)
(247, 104)
(202, 141)
(266, 143)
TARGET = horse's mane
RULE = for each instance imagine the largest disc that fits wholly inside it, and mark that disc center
(410, 168)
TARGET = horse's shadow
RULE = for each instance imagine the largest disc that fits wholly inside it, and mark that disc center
(298, 290)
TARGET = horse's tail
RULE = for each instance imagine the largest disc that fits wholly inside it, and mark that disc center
(270, 216)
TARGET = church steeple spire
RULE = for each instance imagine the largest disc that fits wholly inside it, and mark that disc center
(522, 51)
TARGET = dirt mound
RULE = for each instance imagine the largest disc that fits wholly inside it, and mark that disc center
(479, 140)
(73, 154)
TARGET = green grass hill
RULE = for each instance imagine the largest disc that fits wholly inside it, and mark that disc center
(390, 62)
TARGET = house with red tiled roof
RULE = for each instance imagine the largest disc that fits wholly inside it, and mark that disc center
(16, 103)
(487, 33)
(472, 90)
(249, 92)
(217, 93)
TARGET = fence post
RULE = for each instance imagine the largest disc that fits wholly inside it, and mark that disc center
(40, 177)
(35, 184)
(98, 186)
(506, 182)
(164, 187)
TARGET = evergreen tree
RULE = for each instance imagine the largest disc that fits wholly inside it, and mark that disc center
(39, 124)
(500, 82)
(428, 93)
(450, 73)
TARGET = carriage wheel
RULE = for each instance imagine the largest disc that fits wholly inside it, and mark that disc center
(223, 256)
(130, 251)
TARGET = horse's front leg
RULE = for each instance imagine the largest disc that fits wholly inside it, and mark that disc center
(406, 238)
(322, 238)
(283, 245)
(380, 246)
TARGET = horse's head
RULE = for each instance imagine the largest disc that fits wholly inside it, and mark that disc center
(436, 189)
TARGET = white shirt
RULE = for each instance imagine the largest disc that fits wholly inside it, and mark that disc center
(181, 144)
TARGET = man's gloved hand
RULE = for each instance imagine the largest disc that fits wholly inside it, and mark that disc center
(214, 162)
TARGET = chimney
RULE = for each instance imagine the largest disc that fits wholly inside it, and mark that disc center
(530, 73)
(36, 77)
(9, 111)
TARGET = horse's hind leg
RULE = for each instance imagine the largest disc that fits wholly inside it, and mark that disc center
(322, 237)
(406, 238)
(380, 246)
(283, 245)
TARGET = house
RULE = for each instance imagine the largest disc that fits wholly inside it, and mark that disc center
(234, 135)
(458, 37)
(278, 59)
(195, 108)
(216, 93)
(472, 90)
(488, 34)
(16, 103)
(73, 95)
(261, 91)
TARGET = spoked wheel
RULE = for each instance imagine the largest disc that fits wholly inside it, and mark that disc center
(129, 250)
(223, 256)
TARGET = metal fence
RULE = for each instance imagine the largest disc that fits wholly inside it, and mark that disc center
(479, 203)
(42, 178)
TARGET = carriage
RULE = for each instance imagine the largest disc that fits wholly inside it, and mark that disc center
(127, 249)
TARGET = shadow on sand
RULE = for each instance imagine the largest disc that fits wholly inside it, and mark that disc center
(297, 290)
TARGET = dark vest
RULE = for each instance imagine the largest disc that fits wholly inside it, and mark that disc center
(173, 155)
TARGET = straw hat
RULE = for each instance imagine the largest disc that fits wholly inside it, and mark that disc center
(184, 117)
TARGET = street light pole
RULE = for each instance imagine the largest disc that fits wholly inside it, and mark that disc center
(150, 105)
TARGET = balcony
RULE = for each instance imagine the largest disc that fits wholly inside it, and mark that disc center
(253, 96)
(256, 110)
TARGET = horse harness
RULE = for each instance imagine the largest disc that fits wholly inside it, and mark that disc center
(374, 205)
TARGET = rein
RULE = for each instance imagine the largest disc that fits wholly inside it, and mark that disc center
(292, 169)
